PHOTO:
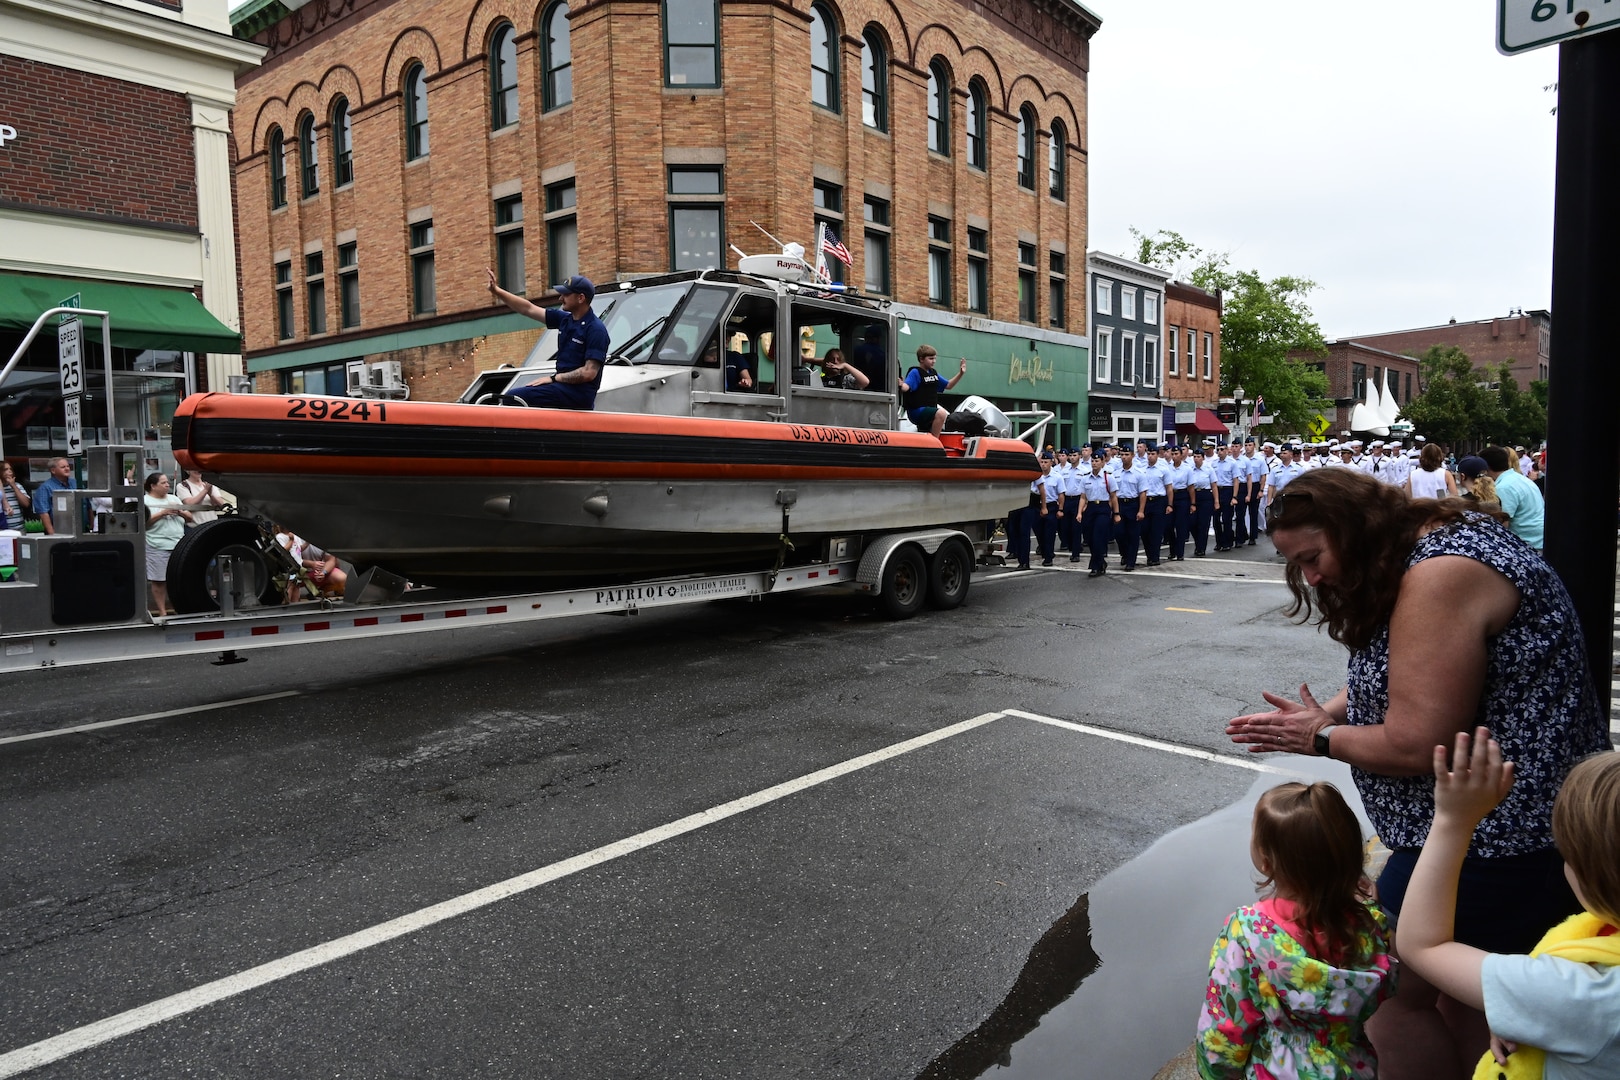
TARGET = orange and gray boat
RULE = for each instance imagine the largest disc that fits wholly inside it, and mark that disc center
(678, 470)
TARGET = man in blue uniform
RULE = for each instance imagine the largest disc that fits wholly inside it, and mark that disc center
(1201, 485)
(1130, 486)
(1099, 510)
(1179, 523)
(1227, 482)
(1157, 485)
(582, 345)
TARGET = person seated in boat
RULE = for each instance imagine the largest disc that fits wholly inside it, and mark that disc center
(923, 385)
(871, 356)
(582, 345)
(739, 375)
(839, 374)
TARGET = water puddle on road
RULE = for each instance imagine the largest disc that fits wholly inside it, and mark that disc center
(1113, 989)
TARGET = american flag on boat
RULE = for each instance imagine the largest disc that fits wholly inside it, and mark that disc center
(832, 246)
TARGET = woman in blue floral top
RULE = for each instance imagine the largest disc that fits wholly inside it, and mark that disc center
(1293, 978)
(1452, 622)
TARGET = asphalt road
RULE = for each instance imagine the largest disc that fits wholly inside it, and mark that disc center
(780, 839)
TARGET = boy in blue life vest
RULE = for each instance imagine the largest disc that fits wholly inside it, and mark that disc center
(923, 385)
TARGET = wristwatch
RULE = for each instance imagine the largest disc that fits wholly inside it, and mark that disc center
(1319, 742)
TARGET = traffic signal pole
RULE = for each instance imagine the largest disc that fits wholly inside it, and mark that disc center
(1583, 476)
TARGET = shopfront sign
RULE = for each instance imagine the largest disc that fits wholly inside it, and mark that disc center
(8, 134)
(1031, 371)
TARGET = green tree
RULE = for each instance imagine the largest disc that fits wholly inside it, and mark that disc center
(1262, 322)
(1457, 406)
(1524, 418)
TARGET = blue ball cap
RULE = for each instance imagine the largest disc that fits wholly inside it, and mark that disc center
(577, 284)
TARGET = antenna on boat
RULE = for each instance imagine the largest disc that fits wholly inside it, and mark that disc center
(767, 233)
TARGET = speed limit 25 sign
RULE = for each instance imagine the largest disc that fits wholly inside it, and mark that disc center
(1522, 25)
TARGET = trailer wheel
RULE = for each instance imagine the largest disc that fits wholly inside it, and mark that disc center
(191, 564)
(949, 572)
(905, 583)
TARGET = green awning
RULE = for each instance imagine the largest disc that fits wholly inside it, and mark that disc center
(143, 316)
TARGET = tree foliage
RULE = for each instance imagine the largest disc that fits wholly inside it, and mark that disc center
(1468, 407)
(1262, 322)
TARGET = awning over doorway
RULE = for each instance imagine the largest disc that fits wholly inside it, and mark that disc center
(143, 316)
(1205, 422)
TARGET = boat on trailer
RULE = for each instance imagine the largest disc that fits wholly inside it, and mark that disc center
(677, 470)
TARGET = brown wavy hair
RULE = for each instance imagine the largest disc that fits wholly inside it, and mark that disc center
(1311, 838)
(1372, 528)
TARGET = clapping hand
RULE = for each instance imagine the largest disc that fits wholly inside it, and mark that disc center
(1475, 780)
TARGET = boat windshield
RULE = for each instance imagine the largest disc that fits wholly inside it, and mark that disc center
(633, 317)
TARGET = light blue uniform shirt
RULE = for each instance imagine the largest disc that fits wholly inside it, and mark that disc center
(1227, 471)
(1181, 475)
(1156, 477)
(1201, 477)
(1096, 487)
(1130, 481)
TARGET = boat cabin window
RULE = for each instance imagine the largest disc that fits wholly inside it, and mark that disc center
(635, 317)
(693, 329)
(749, 343)
(861, 338)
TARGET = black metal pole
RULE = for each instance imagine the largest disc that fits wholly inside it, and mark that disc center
(1583, 476)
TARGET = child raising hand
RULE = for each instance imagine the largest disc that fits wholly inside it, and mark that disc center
(1293, 978)
(1556, 1012)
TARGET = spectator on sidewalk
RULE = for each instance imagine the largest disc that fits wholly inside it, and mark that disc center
(165, 525)
(1554, 1013)
(16, 503)
(201, 498)
(1293, 978)
(1451, 621)
(61, 479)
(1521, 500)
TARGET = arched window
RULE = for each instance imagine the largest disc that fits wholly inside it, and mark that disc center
(874, 83)
(823, 58)
(1026, 148)
(278, 168)
(310, 165)
(558, 60)
(416, 113)
(1057, 155)
(939, 108)
(503, 98)
(691, 43)
(342, 144)
(976, 117)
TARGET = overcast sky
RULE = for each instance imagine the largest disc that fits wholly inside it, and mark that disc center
(1387, 152)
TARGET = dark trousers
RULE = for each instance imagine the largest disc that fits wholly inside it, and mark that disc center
(1097, 524)
(1203, 510)
(1018, 534)
(1046, 528)
(1254, 511)
(1180, 522)
(1074, 534)
(1129, 534)
(1224, 507)
(1153, 527)
(1240, 519)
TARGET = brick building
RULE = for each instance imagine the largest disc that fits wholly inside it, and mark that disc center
(1352, 366)
(389, 150)
(1522, 339)
(1192, 360)
(115, 187)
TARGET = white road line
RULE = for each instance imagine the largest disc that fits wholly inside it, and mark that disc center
(98, 725)
(71, 1042)
(1155, 744)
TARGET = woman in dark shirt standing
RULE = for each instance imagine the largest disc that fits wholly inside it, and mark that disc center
(1451, 622)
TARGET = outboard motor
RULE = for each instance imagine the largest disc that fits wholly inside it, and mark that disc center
(976, 416)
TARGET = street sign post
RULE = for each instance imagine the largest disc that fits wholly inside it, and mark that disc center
(75, 433)
(1522, 25)
(69, 356)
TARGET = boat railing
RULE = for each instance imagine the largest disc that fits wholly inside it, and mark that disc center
(1042, 417)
